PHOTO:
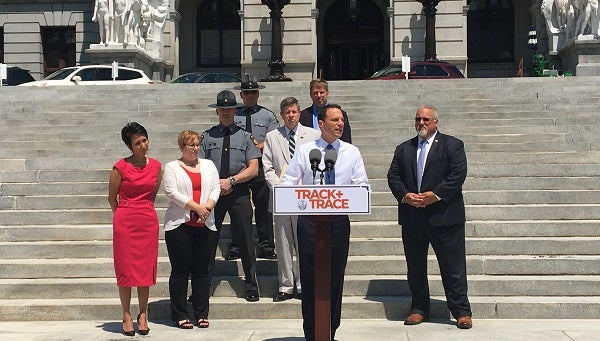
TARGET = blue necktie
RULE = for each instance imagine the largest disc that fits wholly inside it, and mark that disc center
(330, 179)
(421, 162)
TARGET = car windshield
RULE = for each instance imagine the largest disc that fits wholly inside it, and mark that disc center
(60, 74)
(187, 78)
(388, 70)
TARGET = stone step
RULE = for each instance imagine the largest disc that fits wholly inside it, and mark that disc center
(358, 247)
(378, 213)
(354, 285)
(545, 265)
(368, 229)
(371, 307)
(516, 174)
(489, 197)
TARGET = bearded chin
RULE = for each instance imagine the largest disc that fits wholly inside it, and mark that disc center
(423, 133)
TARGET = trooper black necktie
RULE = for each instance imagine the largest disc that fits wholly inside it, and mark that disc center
(224, 172)
(249, 113)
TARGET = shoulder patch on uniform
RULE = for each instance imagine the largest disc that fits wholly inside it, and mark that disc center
(253, 139)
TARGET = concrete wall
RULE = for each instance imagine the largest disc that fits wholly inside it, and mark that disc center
(22, 30)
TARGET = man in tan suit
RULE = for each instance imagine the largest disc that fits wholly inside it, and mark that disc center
(278, 150)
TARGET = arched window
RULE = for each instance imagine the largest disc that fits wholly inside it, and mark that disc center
(218, 33)
(490, 29)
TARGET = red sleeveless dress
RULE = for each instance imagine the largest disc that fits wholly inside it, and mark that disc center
(136, 226)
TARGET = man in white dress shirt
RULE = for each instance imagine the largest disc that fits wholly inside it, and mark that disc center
(279, 148)
(349, 169)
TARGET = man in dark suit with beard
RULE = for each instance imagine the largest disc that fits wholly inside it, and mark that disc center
(319, 93)
(426, 177)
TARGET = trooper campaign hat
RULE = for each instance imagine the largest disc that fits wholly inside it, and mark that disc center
(226, 99)
(249, 83)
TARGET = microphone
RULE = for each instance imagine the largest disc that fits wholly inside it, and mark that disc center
(315, 158)
(330, 159)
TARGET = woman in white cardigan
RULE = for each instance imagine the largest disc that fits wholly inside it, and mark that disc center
(192, 185)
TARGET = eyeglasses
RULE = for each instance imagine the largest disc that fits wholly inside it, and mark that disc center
(424, 119)
(192, 146)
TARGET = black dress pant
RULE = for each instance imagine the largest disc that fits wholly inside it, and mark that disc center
(237, 204)
(262, 216)
(191, 251)
(340, 239)
(448, 243)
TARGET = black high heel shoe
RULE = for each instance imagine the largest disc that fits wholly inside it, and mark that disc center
(128, 332)
(142, 331)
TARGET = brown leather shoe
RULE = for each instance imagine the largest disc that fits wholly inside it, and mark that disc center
(414, 318)
(464, 322)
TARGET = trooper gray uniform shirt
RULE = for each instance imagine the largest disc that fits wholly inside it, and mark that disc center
(263, 121)
(242, 149)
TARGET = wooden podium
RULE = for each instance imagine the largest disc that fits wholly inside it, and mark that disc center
(322, 203)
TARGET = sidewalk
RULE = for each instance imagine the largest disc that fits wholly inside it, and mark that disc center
(291, 330)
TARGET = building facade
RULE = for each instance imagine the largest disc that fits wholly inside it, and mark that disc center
(333, 39)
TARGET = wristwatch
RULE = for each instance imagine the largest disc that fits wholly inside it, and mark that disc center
(232, 181)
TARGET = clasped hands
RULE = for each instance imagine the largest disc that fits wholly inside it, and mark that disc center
(203, 213)
(420, 200)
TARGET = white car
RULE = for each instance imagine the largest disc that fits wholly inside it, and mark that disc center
(92, 75)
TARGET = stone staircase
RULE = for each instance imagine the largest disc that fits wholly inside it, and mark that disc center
(532, 194)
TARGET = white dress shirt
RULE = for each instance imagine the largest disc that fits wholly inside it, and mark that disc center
(349, 167)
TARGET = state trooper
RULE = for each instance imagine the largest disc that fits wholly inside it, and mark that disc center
(259, 121)
(233, 152)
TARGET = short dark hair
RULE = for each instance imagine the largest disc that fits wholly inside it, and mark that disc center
(288, 101)
(323, 111)
(131, 129)
(318, 82)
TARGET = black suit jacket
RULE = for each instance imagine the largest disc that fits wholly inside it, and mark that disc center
(306, 119)
(444, 174)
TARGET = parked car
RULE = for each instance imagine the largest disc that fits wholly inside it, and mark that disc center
(15, 76)
(92, 75)
(207, 77)
(420, 70)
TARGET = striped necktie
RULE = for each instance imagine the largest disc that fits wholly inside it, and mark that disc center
(292, 144)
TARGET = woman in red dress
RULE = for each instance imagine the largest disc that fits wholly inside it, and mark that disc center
(133, 184)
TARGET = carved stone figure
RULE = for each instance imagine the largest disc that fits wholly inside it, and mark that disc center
(134, 34)
(156, 15)
(587, 14)
(102, 15)
(119, 21)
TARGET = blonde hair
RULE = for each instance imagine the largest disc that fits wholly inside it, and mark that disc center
(185, 136)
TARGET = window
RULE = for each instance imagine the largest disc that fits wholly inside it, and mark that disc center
(1, 44)
(490, 31)
(87, 75)
(58, 45)
(128, 74)
(218, 33)
(225, 78)
(436, 71)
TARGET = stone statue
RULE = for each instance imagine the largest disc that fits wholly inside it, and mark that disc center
(587, 15)
(137, 23)
(156, 15)
(570, 19)
(102, 15)
(119, 21)
(135, 34)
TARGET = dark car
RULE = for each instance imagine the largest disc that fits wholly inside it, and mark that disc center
(420, 70)
(16, 75)
(207, 77)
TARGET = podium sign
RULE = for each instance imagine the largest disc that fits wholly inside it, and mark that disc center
(321, 200)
